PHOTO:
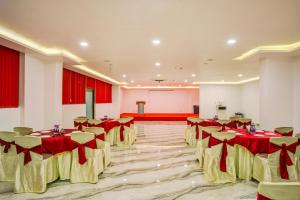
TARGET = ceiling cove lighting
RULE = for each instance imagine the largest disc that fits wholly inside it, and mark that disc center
(156, 42)
(27, 43)
(231, 41)
(271, 48)
(227, 82)
(160, 87)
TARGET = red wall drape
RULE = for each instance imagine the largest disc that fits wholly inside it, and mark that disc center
(9, 78)
(75, 84)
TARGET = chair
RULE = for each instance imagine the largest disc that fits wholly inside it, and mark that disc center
(93, 122)
(87, 160)
(297, 135)
(125, 136)
(80, 123)
(272, 168)
(187, 133)
(226, 123)
(23, 130)
(101, 143)
(278, 191)
(8, 156)
(83, 117)
(243, 123)
(34, 169)
(220, 158)
(193, 134)
(202, 144)
(284, 131)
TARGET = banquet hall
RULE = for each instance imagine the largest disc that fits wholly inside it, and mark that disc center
(160, 99)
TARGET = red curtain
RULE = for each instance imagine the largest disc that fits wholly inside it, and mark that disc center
(75, 84)
(9, 78)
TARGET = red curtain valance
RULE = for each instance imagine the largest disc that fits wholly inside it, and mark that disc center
(75, 84)
(9, 78)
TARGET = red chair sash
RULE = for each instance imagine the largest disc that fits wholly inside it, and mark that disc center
(214, 141)
(101, 136)
(244, 124)
(197, 124)
(290, 133)
(205, 134)
(81, 149)
(231, 124)
(79, 125)
(261, 197)
(6, 145)
(94, 124)
(284, 159)
(122, 128)
(188, 122)
(26, 151)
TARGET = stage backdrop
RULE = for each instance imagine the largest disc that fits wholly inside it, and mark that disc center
(159, 100)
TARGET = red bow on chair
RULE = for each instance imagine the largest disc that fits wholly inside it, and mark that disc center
(6, 145)
(244, 124)
(101, 136)
(284, 159)
(214, 141)
(205, 134)
(80, 124)
(122, 128)
(81, 149)
(26, 151)
(188, 122)
(197, 124)
(289, 133)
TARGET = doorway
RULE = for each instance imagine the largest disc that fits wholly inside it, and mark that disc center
(90, 103)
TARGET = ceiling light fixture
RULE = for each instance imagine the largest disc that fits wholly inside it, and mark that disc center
(84, 44)
(158, 75)
(193, 75)
(185, 81)
(240, 75)
(231, 41)
(124, 75)
(132, 81)
(157, 64)
(156, 42)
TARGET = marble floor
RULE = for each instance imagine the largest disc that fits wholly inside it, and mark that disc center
(159, 166)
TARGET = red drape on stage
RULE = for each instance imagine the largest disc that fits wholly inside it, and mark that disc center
(9, 78)
(75, 84)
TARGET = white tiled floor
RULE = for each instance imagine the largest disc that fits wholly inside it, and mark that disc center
(159, 166)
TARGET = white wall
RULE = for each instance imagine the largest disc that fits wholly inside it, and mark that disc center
(250, 100)
(276, 92)
(70, 112)
(296, 83)
(211, 95)
(9, 118)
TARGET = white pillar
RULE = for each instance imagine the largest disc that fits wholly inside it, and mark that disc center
(276, 92)
(42, 107)
(296, 63)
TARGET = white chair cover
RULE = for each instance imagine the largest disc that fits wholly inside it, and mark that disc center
(42, 169)
(23, 130)
(89, 171)
(101, 144)
(213, 156)
(266, 168)
(8, 156)
(280, 191)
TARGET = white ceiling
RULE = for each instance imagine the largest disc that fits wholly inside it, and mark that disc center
(191, 31)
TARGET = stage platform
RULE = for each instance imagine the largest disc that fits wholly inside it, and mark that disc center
(159, 116)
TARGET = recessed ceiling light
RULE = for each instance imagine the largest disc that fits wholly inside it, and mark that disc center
(185, 81)
(157, 64)
(132, 81)
(156, 42)
(231, 41)
(124, 75)
(84, 44)
(193, 75)
(240, 75)
(158, 75)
